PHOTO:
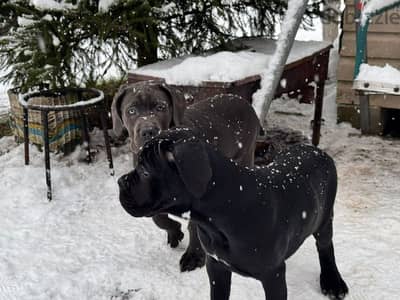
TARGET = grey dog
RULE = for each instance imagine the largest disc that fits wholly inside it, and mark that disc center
(228, 122)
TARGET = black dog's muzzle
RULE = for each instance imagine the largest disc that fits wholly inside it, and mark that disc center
(123, 183)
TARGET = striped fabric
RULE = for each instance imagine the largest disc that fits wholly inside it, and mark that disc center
(64, 126)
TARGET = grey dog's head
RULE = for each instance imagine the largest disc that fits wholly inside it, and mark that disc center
(144, 109)
(173, 169)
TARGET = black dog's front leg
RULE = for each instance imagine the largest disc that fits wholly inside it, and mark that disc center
(274, 284)
(331, 281)
(194, 256)
(220, 279)
(173, 228)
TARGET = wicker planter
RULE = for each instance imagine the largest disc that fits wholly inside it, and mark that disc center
(64, 126)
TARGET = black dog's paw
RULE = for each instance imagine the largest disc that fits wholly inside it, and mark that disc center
(191, 260)
(333, 286)
(174, 238)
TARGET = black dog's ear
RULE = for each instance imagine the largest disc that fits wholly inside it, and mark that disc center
(116, 114)
(178, 103)
(191, 160)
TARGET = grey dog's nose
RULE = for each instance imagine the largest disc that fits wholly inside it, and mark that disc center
(123, 182)
(149, 132)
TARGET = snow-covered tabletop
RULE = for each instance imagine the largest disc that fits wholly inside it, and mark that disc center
(226, 66)
(378, 79)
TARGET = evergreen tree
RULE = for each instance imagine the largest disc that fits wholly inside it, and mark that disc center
(76, 42)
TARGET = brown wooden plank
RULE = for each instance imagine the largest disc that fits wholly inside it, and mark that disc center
(380, 45)
(346, 66)
(388, 22)
(346, 95)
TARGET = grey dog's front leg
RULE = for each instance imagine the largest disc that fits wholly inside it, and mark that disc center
(219, 277)
(274, 284)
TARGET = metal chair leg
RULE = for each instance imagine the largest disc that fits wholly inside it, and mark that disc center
(45, 122)
(85, 136)
(26, 135)
(107, 140)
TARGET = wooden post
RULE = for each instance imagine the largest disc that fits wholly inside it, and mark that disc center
(330, 29)
(362, 57)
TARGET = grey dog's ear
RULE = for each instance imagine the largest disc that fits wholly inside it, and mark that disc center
(178, 103)
(191, 160)
(118, 125)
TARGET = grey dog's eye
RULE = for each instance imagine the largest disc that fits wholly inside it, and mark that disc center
(161, 107)
(132, 111)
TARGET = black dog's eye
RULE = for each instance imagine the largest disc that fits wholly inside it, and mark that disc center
(132, 111)
(161, 107)
(143, 171)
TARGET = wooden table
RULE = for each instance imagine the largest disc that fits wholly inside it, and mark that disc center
(305, 75)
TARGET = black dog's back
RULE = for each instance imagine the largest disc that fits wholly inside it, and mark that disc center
(302, 166)
(306, 178)
(286, 201)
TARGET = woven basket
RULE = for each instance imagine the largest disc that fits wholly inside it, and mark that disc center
(64, 126)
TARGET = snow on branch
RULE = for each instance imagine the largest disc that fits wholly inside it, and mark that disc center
(271, 77)
(104, 5)
(52, 5)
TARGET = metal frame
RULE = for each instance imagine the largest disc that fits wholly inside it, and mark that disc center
(83, 106)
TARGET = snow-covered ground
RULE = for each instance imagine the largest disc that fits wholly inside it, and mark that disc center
(84, 246)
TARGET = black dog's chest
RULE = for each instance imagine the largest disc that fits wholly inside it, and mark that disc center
(216, 245)
(212, 240)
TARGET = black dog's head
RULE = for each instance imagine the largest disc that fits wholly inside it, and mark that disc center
(173, 169)
(144, 109)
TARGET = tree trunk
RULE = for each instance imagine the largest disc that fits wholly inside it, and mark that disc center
(148, 45)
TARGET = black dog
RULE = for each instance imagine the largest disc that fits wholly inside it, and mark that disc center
(144, 109)
(249, 221)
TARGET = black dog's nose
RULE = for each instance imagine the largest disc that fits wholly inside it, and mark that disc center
(149, 132)
(123, 182)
